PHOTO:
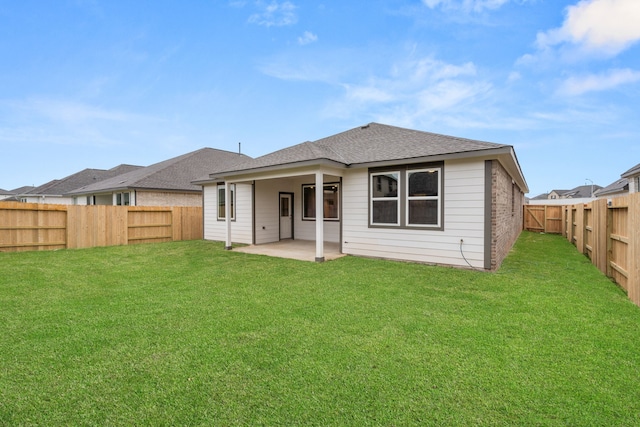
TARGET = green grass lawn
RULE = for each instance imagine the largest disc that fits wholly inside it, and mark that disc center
(186, 333)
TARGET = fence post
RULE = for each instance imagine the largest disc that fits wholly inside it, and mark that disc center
(579, 227)
(633, 281)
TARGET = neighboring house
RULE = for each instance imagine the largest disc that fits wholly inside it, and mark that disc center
(580, 194)
(633, 175)
(166, 183)
(5, 194)
(543, 196)
(16, 194)
(615, 189)
(377, 191)
(55, 192)
(556, 194)
(628, 183)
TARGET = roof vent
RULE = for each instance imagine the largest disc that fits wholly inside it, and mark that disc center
(364, 127)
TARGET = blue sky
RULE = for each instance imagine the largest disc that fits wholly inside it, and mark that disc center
(93, 84)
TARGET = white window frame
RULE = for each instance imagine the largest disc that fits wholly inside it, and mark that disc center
(436, 198)
(221, 187)
(373, 199)
(121, 196)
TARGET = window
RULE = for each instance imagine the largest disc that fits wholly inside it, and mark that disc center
(221, 201)
(406, 197)
(331, 202)
(423, 197)
(122, 199)
(385, 206)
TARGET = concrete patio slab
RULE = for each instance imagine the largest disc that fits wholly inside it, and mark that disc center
(303, 250)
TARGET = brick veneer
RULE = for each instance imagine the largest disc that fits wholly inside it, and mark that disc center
(165, 198)
(507, 202)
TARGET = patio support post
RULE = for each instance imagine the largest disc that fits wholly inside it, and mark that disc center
(227, 213)
(319, 216)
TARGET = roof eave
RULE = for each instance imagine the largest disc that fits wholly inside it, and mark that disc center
(221, 176)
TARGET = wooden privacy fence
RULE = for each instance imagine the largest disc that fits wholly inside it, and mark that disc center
(32, 226)
(607, 231)
(543, 218)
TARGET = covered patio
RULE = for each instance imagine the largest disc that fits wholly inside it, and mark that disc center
(302, 250)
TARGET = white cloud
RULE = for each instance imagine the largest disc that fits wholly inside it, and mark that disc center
(66, 122)
(69, 111)
(306, 38)
(514, 76)
(275, 14)
(598, 82)
(414, 91)
(597, 26)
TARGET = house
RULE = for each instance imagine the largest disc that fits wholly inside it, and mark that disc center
(556, 194)
(56, 191)
(633, 176)
(167, 183)
(375, 191)
(580, 194)
(15, 194)
(615, 189)
(5, 194)
(628, 183)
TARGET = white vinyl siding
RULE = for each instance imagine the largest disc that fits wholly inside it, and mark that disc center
(463, 218)
(241, 228)
(268, 211)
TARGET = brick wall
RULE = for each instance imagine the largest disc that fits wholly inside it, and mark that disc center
(507, 202)
(166, 198)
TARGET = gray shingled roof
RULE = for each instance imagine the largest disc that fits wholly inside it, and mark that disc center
(80, 179)
(543, 196)
(633, 171)
(174, 174)
(583, 191)
(619, 186)
(22, 190)
(367, 144)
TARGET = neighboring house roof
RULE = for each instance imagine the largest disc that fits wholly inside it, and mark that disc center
(583, 191)
(580, 192)
(620, 186)
(631, 172)
(79, 179)
(22, 190)
(174, 174)
(5, 192)
(559, 192)
(367, 145)
(542, 196)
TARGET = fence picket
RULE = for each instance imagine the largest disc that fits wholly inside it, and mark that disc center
(32, 226)
(606, 231)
